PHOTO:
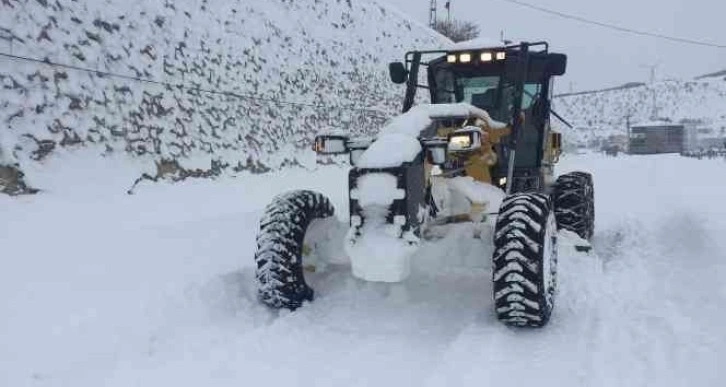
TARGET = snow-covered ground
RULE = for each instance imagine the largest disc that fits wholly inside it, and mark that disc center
(99, 288)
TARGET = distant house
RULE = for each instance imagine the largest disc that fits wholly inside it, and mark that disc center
(614, 144)
(656, 137)
(701, 134)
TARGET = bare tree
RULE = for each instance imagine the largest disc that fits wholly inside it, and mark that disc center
(457, 30)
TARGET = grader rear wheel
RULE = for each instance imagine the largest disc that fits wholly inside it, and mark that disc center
(574, 200)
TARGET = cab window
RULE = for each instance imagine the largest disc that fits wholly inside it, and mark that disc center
(478, 91)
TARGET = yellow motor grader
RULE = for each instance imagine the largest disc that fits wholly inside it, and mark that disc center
(485, 137)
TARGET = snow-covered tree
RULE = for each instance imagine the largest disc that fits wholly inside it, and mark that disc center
(457, 30)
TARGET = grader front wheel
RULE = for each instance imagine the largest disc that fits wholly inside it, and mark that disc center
(525, 260)
(280, 277)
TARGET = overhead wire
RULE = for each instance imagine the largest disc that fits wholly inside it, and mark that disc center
(247, 96)
(614, 26)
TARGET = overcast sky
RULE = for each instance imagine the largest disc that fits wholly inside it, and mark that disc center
(600, 57)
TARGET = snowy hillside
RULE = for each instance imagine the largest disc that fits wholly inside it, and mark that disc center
(98, 288)
(600, 114)
(214, 84)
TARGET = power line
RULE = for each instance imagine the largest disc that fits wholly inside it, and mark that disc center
(615, 27)
(180, 86)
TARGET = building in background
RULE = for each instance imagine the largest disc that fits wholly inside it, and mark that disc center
(614, 144)
(657, 137)
(704, 135)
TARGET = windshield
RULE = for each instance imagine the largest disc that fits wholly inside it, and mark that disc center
(486, 92)
(478, 91)
(496, 96)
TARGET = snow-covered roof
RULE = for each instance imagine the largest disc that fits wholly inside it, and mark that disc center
(656, 124)
(475, 44)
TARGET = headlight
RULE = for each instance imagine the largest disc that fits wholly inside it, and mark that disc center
(501, 55)
(465, 58)
(460, 142)
(486, 57)
(451, 58)
(503, 181)
(465, 139)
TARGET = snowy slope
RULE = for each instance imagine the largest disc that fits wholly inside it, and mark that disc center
(101, 288)
(599, 114)
(244, 84)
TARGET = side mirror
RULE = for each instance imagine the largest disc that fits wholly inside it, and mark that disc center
(398, 72)
(556, 140)
(330, 144)
(555, 146)
(557, 64)
(435, 149)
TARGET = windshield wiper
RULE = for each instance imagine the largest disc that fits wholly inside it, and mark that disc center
(554, 113)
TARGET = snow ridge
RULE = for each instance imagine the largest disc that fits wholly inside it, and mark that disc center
(600, 114)
(243, 83)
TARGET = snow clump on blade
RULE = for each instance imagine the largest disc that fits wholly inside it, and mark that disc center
(377, 189)
(390, 150)
(398, 142)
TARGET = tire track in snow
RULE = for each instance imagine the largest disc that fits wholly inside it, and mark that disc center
(488, 353)
(645, 309)
(640, 316)
(659, 305)
(635, 313)
(354, 328)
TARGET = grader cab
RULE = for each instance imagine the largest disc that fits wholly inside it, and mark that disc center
(513, 84)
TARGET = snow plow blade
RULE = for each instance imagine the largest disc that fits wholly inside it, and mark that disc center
(385, 220)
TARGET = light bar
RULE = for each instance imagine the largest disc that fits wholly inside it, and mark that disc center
(480, 57)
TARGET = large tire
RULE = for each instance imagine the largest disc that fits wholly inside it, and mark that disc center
(574, 197)
(525, 260)
(280, 278)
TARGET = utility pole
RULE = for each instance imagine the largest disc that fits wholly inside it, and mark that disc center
(432, 14)
(503, 39)
(654, 107)
(448, 12)
(627, 125)
(652, 74)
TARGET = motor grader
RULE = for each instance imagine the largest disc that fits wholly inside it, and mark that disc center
(484, 140)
